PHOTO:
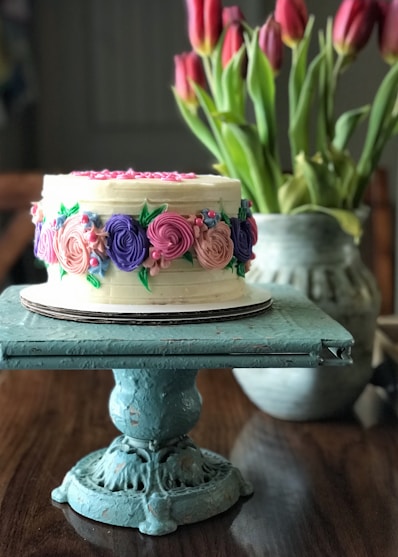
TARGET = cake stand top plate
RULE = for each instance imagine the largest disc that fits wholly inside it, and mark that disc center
(293, 333)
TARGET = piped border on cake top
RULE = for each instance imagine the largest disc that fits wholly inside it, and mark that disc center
(83, 245)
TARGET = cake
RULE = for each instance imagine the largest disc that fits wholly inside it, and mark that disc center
(143, 238)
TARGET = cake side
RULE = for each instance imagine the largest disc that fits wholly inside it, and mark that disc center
(154, 239)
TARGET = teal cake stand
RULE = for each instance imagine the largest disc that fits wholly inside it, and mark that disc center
(153, 477)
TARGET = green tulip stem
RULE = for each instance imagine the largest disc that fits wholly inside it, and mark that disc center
(208, 73)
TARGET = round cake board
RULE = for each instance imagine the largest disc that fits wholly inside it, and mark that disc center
(40, 299)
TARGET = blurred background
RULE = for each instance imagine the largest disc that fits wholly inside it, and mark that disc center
(86, 84)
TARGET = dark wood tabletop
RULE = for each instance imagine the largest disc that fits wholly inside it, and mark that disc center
(327, 489)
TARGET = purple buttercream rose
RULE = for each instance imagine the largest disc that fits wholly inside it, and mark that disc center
(242, 237)
(127, 244)
(38, 228)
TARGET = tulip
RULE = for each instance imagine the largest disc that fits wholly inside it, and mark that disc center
(233, 40)
(292, 15)
(353, 25)
(231, 14)
(388, 31)
(270, 42)
(204, 24)
(188, 68)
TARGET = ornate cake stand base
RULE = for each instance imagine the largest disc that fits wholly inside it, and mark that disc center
(152, 489)
(153, 477)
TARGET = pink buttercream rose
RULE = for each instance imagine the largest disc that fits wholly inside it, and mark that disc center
(171, 235)
(71, 246)
(45, 245)
(214, 248)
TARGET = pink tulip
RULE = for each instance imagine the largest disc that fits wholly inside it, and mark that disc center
(231, 14)
(233, 40)
(270, 42)
(292, 15)
(388, 31)
(204, 24)
(188, 68)
(353, 25)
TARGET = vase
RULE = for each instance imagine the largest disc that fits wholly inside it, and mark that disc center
(311, 252)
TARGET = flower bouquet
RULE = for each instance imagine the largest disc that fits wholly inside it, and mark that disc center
(226, 90)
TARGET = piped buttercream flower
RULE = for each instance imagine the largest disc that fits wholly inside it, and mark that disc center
(214, 248)
(171, 235)
(98, 266)
(242, 238)
(44, 243)
(96, 240)
(37, 213)
(71, 247)
(210, 217)
(127, 244)
(155, 262)
(254, 230)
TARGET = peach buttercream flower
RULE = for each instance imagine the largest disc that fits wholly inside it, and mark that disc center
(214, 248)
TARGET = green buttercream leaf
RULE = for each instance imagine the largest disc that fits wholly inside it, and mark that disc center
(69, 212)
(242, 213)
(231, 264)
(225, 218)
(62, 272)
(93, 280)
(188, 256)
(240, 268)
(143, 275)
(143, 215)
(146, 216)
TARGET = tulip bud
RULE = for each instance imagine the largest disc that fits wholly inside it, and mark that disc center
(270, 42)
(231, 14)
(233, 40)
(292, 15)
(188, 68)
(353, 25)
(204, 24)
(388, 31)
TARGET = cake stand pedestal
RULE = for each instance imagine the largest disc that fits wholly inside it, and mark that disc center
(153, 477)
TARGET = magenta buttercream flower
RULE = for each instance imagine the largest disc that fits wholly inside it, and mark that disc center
(254, 229)
(171, 235)
(241, 234)
(71, 247)
(127, 244)
(214, 248)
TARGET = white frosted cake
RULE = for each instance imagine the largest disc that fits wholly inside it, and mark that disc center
(143, 238)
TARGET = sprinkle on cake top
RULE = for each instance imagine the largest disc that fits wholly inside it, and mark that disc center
(131, 174)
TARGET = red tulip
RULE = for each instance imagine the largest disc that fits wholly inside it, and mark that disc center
(204, 24)
(353, 25)
(233, 40)
(231, 14)
(388, 31)
(270, 42)
(188, 68)
(292, 15)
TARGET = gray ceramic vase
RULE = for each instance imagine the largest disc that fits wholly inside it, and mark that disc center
(312, 253)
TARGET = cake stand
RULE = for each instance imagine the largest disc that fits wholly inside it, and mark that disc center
(153, 477)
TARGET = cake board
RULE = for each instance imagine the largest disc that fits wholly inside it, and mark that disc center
(38, 298)
(153, 477)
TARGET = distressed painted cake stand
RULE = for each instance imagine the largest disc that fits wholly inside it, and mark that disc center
(153, 476)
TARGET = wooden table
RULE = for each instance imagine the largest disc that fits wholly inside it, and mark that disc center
(321, 489)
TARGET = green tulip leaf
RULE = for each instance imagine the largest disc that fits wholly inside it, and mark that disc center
(348, 220)
(293, 193)
(299, 122)
(322, 184)
(261, 88)
(347, 124)
(232, 85)
(195, 124)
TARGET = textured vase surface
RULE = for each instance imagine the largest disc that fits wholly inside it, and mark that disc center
(312, 253)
